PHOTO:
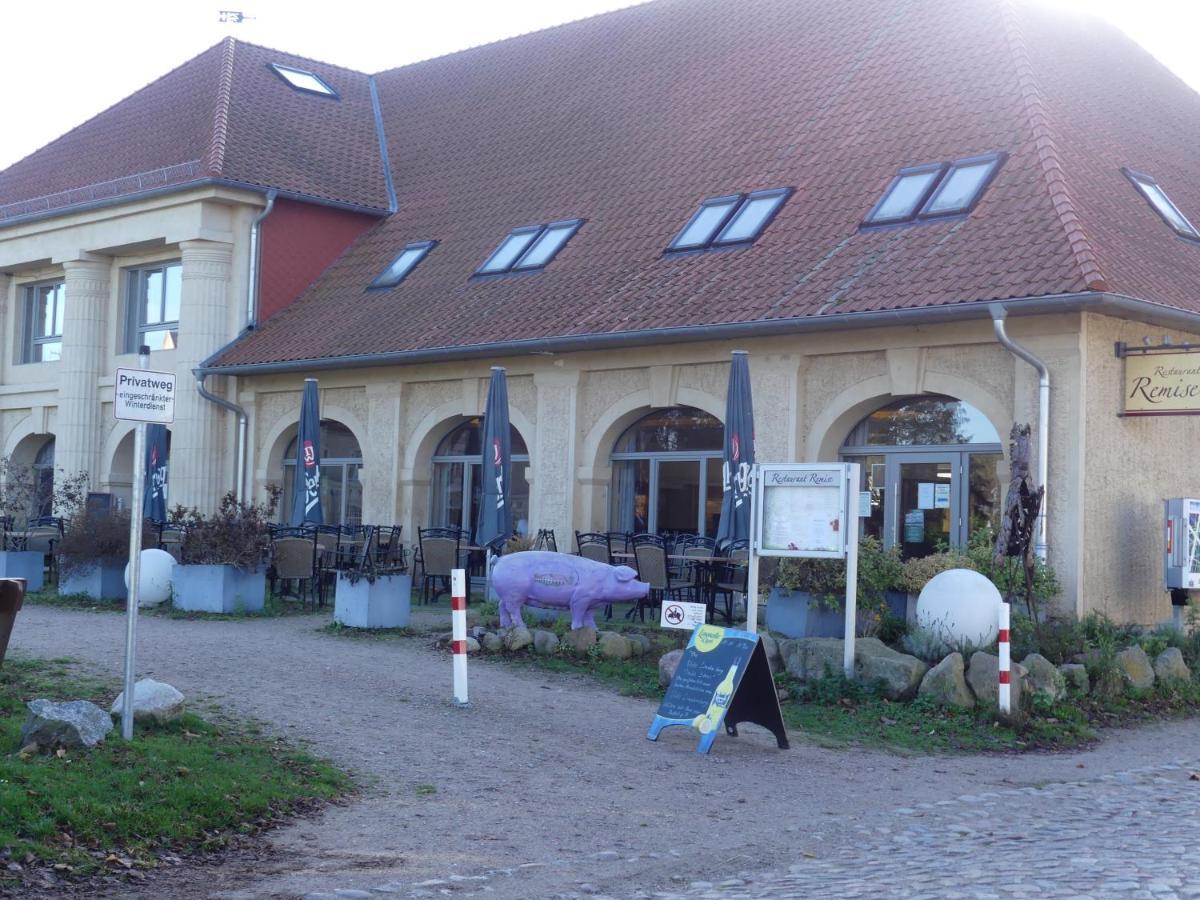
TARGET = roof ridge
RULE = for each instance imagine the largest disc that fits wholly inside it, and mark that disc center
(310, 59)
(214, 162)
(1047, 152)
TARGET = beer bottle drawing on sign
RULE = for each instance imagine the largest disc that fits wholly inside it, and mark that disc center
(707, 722)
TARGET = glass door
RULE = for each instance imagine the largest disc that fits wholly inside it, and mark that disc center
(925, 489)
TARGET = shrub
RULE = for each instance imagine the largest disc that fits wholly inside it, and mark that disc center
(918, 571)
(825, 579)
(96, 539)
(932, 646)
(22, 497)
(237, 534)
(1008, 575)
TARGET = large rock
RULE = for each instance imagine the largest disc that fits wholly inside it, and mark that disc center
(472, 645)
(75, 723)
(614, 646)
(774, 654)
(639, 644)
(153, 701)
(1076, 676)
(810, 658)
(491, 642)
(667, 664)
(517, 638)
(545, 643)
(1045, 681)
(1136, 668)
(900, 673)
(946, 683)
(580, 640)
(1169, 666)
(983, 676)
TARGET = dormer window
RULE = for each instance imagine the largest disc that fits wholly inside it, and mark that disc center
(1161, 203)
(402, 265)
(735, 219)
(935, 190)
(303, 80)
(530, 247)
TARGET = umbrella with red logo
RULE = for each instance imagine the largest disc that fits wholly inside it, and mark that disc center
(306, 492)
(154, 497)
(495, 523)
(739, 453)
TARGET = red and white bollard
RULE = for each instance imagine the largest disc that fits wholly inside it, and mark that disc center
(458, 615)
(1005, 661)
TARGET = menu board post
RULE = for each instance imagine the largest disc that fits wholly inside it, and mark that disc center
(806, 510)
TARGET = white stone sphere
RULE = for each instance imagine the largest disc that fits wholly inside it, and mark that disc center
(961, 605)
(158, 569)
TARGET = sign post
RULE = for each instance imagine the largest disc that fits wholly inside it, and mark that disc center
(140, 396)
(807, 510)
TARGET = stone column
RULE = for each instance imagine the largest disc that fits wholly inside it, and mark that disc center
(79, 439)
(8, 320)
(382, 455)
(201, 468)
(553, 458)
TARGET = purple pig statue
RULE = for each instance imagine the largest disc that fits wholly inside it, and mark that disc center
(561, 581)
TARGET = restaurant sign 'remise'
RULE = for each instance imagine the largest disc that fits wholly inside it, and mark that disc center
(1162, 384)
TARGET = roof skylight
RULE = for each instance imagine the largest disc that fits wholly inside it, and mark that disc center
(937, 189)
(1158, 199)
(736, 219)
(303, 80)
(530, 247)
(402, 264)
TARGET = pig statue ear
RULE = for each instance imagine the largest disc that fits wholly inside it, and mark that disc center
(624, 573)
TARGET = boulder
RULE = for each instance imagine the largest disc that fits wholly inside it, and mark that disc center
(667, 664)
(580, 640)
(545, 643)
(1169, 666)
(472, 646)
(75, 723)
(983, 676)
(614, 646)
(774, 654)
(946, 683)
(517, 638)
(900, 673)
(1076, 676)
(810, 658)
(639, 644)
(491, 642)
(1136, 668)
(1045, 681)
(153, 701)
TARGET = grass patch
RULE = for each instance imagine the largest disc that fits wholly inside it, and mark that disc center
(187, 786)
(337, 629)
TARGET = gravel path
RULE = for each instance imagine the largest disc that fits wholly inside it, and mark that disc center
(547, 785)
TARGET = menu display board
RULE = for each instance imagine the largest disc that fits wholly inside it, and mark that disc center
(803, 510)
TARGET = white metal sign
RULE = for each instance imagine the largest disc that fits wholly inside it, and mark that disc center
(682, 615)
(801, 510)
(143, 396)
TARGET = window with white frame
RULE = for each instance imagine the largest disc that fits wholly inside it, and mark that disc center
(41, 339)
(152, 306)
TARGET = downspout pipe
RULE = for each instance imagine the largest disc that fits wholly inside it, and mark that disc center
(256, 261)
(242, 431)
(999, 314)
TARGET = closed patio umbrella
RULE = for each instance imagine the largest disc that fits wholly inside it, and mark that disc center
(739, 453)
(154, 496)
(306, 492)
(495, 524)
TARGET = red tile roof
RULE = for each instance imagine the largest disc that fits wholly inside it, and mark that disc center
(222, 115)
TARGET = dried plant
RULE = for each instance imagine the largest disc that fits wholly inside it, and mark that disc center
(237, 534)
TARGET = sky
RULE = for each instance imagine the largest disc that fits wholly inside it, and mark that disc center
(67, 61)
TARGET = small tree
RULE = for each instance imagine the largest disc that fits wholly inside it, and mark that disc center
(1021, 508)
(23, 497)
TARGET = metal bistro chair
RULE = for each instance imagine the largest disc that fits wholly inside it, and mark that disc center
(389, 549)
(619, 542)
(545, 540)
(295, 559)
(439, 555)
(731, 578)
(594, 545)
(328, 541)
(41, 536)
(650, 553)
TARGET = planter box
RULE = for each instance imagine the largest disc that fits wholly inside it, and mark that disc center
(27, 564)
(797, 615)
(218, 589)
(101, 583)
(384, 604)
(902, 605)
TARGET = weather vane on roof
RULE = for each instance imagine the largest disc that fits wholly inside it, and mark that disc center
(234, 17)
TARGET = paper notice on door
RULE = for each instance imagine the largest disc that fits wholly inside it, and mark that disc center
(941, 496)
(925, 495)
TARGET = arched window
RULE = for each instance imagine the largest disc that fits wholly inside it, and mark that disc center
(43, 480)
(667, 473)
(341, 466)
(931, 464)
(456, 466)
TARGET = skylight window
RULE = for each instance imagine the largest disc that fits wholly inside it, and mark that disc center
(402, 265)
(937, 189)
(530, 247)
(736, 219)
(1158, 199)
(303, 81)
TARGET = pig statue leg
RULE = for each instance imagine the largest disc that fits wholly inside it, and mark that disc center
(581, 610)
(510, 609)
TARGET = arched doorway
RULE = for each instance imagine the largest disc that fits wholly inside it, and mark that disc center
(667, 473)
(341, 467)
(43, 480)
(455, 488)
(932, 466)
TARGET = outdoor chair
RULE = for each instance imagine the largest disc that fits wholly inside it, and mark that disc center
(42, 538)
(618, 542)
(171, 539)
(389, 550)
(439, 555)
(593, 545)
(650, 553)
(545, 540)
(731, 578)
(294, 560)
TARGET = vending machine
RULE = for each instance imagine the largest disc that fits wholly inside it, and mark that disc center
(1181, 561)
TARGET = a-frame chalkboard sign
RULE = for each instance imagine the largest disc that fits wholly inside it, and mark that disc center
(723, 679)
